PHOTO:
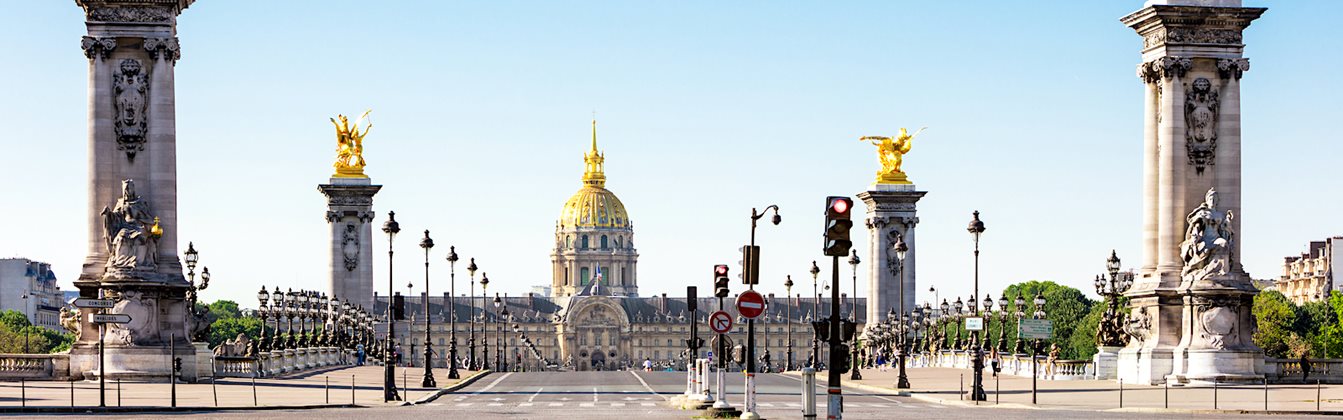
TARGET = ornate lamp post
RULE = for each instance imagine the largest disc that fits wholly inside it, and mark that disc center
(484, 323)
(1110, 332)
(452, 313)
(900, 249)
(1002, 324)
(428, 380)
(942, 328)
(976, 229)
(324, 313)
(389, 393)
(499, 363)
(278, 310)
(290, 300)
(304, 315)
(263, 296)
(788, 309)
(958, 309)
(988, 316)
(333, 337)
(853, 316)
(473, 363)
(815, 315)
(1020, 313)
(1035, 346)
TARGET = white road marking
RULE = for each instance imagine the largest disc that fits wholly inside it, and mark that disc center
(587, 405)
(526, 404)
(764, 404)
(495, 404)
(647, 404)
(645, 383)
(538, 392)
(594, 394)
(556, 404)
(617, 404)
(792, 404)
(492, 384)
(464, 404)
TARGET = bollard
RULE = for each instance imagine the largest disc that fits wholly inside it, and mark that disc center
(808, 393)
(23, 388)
(118, 391)
(72, 396)
(1214, 394)
(327, 389)
(962, 393)
(997, 382)
(214, 391)
(254, 404)
(351, 389)
(1317, 395)
(1121, 392)
(1265, 394)
(1167, 392)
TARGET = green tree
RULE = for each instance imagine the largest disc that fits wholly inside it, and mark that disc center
(1082, 342)
(228, 329)
(17, 334)
(224, 309)
(1064, 306)
(1277, 318)
(13, 319)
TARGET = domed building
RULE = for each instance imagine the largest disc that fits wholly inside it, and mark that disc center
(594, 237)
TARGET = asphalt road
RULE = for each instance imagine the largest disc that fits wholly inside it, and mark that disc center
(644, 395)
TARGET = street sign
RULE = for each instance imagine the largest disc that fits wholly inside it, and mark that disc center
(94, 303)
(750, 304)
(720, 322)
(111, 318)
(1035, 328)
(974, 324)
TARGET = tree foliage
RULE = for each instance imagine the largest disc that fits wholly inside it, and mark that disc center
(1277, 319)
(17, 334)
(1064, 306)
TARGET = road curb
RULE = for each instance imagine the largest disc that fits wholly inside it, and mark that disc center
(129, 409)
(451, 388)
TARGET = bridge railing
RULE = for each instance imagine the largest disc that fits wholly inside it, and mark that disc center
(34, 366)
(281, 362)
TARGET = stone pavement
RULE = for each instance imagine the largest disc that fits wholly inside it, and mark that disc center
(308, 389)
(943, 385)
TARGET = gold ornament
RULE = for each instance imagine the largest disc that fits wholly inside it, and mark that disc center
(350, 146)
(891, 152)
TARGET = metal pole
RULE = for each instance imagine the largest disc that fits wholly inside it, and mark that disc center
(977, 389)
(997, 385)
(428, 381)
(326, 389)
(351, 389)
(213, 390)
(1214, 394)
(172, 371)
(118, 392)
(1265, 394)
(808, 393)
(1166, 387)
(391, 227)
(962, 385)
(1121, 392)
(1034, 367)
(23, 391)
(102, 372)
(254, 404)
(72, 396)
(835, 402)
(1317, 395)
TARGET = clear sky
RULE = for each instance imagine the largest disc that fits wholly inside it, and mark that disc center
(705, 110)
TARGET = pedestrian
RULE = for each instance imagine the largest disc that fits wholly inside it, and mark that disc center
(1305, 366)
(995, 360)
(359, 355)
(648, 365)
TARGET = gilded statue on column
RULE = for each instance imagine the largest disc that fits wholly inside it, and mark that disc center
(350, 146)
(891, 152)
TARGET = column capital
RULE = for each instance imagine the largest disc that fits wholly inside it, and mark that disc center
(1164, 67)
(1232, 67)
(167, 48)
(98, 47)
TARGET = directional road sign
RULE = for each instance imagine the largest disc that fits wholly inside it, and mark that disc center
(750, 304)
(1041, 329)
(111, 318)
(720, 322)
(974, 324)
(94, 303)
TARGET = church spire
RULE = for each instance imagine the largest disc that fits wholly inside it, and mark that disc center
(594, 173)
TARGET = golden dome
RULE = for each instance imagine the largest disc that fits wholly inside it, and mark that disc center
(594, 205)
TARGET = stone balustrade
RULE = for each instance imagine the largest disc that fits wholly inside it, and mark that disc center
(281, 362)
(1289, 371)
(34, 366)
(1014, 364)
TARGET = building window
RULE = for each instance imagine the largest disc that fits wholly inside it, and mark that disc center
(585, 241)
(568, 241)
(583, 276)
(604, 245)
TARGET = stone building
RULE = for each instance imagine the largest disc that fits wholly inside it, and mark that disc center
(1310, 276)
(30, 287)
(593, 317)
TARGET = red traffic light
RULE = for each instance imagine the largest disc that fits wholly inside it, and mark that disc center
(840, 205)
(720, 270)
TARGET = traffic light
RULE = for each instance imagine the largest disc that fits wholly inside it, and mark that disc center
(750, 264)
(720, 280)
(690, 300)
(847, 329)
(838, 222)
(845, 359)
(822, 329)
(398, 307)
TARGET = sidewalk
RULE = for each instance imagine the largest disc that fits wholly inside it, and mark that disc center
(308, 389)
(943, 385)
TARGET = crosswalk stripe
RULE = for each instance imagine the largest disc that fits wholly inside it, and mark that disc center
(617, 404)
(556, 404)
(586, 404)
(495, 404)
(525, 405)
(765, 404)
(647, 404)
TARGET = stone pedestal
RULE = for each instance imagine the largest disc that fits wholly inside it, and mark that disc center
(349, 211)
(1218, 344)
(890, 213)
(1191, 67)
(1106, 361)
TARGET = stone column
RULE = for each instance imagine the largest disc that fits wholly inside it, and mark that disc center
(1191, 57)
(132, 48)
(890, 212)
(349, 212)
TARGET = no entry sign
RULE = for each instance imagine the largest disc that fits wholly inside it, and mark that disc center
(750, 304)
(720, 322)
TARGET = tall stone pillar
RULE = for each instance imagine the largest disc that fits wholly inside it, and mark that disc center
(349, 211)
(1188, 323)
(132, 247)
(890, 213)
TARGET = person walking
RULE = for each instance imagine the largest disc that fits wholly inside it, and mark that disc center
(1305, 366)
(648, 365)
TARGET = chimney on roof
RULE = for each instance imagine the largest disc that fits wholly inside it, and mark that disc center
(531, 301)
(662, 303)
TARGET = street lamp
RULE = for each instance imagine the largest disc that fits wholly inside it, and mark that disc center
(750, 322)
(1002, 324)
(1039, 302)
(472, 362)
(988, 315)
(976, 229)
(389, 393)
(498, 352)
(901, 249)
(788, 291)
(452, 313)
(428, 380)
(1109, 333)
(815, 315)
(959, 307)
(484, 323)
(1020, 313)
(263, 296)
(853, 314)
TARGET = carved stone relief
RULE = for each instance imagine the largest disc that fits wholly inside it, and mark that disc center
(130, 89)
(1218, 318)
(98, 47)
(1200, 113)
(1177, 35)
(1139, 325)
(143, 310)
(129, 14)
(349, 246)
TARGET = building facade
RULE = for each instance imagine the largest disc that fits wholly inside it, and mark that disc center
(594, 237)
(1309, 277)
(30, 287)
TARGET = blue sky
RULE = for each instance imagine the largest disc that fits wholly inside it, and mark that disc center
(706, 109)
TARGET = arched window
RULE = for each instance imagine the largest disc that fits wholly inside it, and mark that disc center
(568, 241)
(604, 244)
(583, 276)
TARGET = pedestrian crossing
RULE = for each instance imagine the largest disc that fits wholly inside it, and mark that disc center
(768, 405)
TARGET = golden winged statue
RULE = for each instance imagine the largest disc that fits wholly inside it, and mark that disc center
(350, 146)
(891, 152)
